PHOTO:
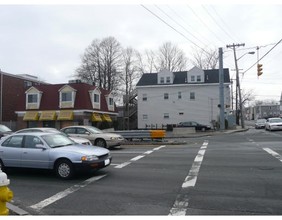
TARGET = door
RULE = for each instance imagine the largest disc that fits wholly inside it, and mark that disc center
(33, 157)
(11, 151)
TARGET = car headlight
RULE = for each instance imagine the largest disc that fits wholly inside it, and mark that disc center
(89, 158)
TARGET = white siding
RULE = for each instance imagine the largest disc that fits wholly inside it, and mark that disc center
(203, 109)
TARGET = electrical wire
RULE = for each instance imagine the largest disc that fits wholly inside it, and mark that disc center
(174, 28)
(263, 56)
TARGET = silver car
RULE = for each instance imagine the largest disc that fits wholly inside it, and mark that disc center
(95, 135)
(54, 130)
(272, 124)
(51, 151)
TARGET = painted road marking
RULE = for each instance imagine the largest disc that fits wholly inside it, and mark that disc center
(273, 153)
(60, 195)
(181, 203)
(122, 165)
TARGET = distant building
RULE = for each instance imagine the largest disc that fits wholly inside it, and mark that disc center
(11, 88)
(61, 105)
(167, 98)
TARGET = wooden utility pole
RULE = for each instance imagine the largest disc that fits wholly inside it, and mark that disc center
(238, 90)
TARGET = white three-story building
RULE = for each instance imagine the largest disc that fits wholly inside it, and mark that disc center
(172, 97)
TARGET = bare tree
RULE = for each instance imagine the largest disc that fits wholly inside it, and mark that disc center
(170, 57)
(146, 62)
(205, 59)
(101, 63)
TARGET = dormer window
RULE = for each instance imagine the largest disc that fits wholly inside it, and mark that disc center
(95, 96)
(33, 97)
(110, 102)
(167, 79)
(67, 97)
(199, 78)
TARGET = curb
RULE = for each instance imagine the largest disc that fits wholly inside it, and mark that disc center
(15, 210)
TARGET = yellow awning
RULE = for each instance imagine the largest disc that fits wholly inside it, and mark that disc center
(65, 115)
(106, 118)
(47, 116)
(31, 116)
(96, 117)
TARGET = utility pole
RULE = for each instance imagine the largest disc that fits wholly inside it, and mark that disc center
(221, 90)
(233, 46)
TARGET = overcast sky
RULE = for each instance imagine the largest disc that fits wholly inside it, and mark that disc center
(48, 40)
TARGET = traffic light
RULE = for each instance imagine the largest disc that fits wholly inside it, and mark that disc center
(259, 69)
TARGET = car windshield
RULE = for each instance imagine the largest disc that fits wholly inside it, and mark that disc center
(275, 120)
(94, 130)
(261, 121)
(57, 140)
(4, 128)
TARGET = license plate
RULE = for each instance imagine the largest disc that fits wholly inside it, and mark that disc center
(107, 162)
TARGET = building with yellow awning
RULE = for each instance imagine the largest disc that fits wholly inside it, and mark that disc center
(61, 105)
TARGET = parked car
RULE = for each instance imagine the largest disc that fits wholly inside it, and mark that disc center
(4, 131)
(95, 135)
(272, 124)
(53, 151)
(260, 123)
(196, 125)
(54, 130)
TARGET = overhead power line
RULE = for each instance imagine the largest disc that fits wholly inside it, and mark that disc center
(174, 28)
(263, 56)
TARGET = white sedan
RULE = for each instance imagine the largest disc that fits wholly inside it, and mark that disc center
(272, 124)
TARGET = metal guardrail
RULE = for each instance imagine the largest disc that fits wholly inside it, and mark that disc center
(142, 134)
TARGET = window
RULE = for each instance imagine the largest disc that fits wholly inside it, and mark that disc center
(166, 115)
(145, 117)
(66, 96)
(165, 95)
(144, 98)
(162, 80)
(69, 131)
(192, 78)
(96, 98)
(15, 141)
(199, 78)
(31, 141)
(32, 98)
(192, 95)
(111, 101)
(179, 95)
(167, 79)
(181, 113)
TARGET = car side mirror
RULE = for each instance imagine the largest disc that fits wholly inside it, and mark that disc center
(87, 132)
(41, 146)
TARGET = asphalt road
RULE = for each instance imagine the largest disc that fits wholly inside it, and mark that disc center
(227, 174)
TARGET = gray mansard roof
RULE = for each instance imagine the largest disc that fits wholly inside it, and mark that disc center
(211, 76)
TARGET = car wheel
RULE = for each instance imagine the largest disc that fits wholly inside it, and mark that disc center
(203, 129)
(101, 143)
(64, 169)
